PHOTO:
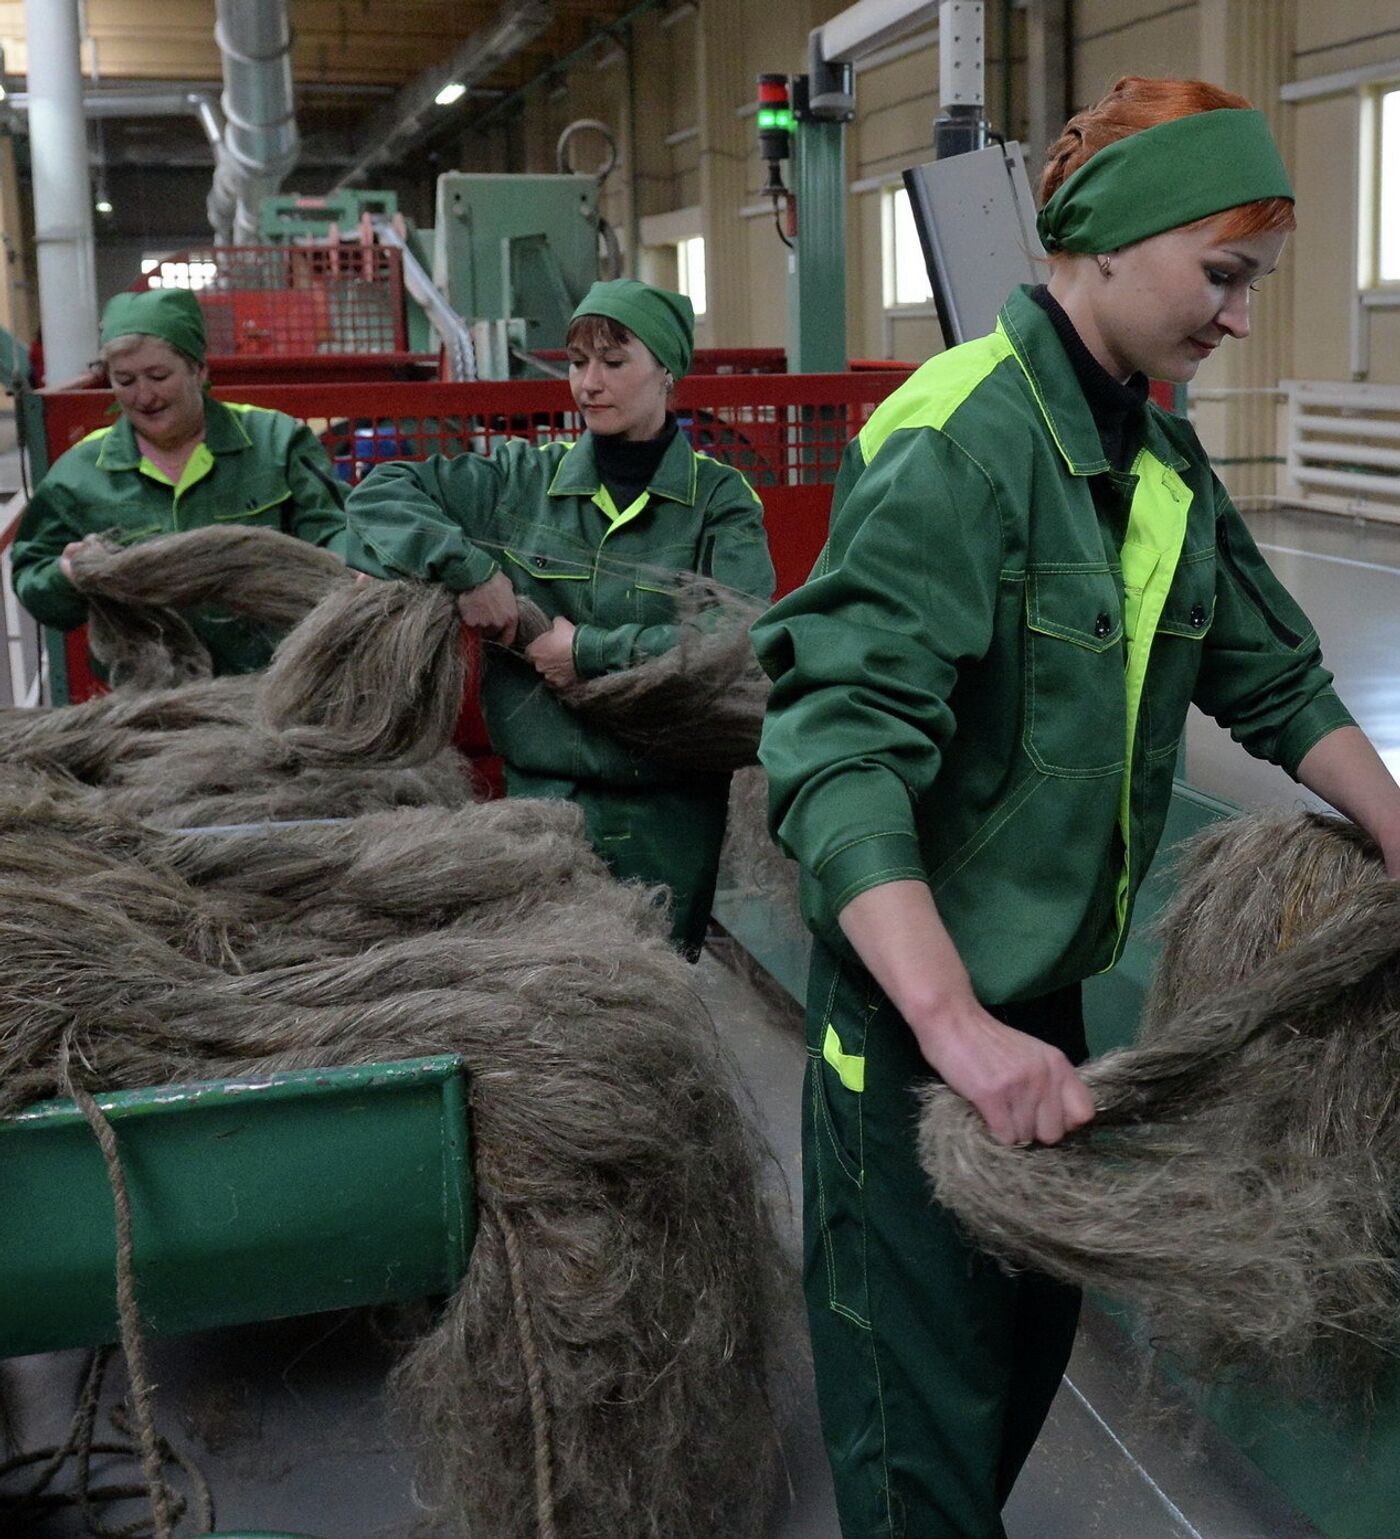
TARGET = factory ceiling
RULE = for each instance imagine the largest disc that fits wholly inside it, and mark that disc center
(348, 57)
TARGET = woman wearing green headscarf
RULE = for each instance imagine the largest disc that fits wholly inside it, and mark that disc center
(176, 459)
(1031, 574)
(593, 532)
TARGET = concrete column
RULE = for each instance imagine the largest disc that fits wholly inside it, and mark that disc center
(1047, 78)
(726, 150)
(1247, 46)
(62, 190)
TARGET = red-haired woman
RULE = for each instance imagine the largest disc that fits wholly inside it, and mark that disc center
(1032, 572)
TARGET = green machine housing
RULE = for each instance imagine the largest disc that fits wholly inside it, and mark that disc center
(519, 251)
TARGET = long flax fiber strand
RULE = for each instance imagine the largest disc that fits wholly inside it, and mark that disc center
(1239, 1183)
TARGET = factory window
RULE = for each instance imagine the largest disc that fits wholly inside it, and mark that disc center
(690, 264)
(1387, 267)
(162, 273)
(906, 277)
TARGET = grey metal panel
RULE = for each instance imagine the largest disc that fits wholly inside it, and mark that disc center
(976, 220)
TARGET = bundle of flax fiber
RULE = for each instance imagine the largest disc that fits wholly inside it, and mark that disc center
(199, 752)
(1239, 1183)
(134, 595)
(603, 1368)
(698, 705)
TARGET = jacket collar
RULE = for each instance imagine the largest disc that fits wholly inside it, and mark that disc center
(675, 478)
(1058, 393)
(223, 434)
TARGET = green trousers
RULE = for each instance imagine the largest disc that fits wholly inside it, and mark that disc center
(935, 1368)
(669, 834)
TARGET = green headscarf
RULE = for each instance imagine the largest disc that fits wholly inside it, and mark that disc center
(663, 320)
(173, 315)
(1163, 177)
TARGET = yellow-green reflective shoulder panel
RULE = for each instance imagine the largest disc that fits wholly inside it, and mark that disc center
(849, 1068)
(935, 390)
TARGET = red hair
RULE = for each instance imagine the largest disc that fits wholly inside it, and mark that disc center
(1137, 102)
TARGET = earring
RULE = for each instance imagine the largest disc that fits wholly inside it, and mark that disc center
(1105, 266)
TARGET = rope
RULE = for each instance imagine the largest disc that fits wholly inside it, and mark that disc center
(534, 1378)
(128, 1315)
(80, 1445)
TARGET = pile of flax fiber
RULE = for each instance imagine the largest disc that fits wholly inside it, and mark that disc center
(1239, 1184)
(603, 1370)
(173, 745)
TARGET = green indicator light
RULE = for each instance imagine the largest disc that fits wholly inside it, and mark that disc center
(767, 118)
(784, 119)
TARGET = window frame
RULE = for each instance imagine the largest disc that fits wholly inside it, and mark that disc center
(684, 247)
(1372, 200)
(890, 301)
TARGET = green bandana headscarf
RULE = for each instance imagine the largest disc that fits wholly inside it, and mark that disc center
(1163, 177)
(173, 315)
(663, 320)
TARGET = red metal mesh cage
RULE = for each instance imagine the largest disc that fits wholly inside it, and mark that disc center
(785, 432)
(292, 301)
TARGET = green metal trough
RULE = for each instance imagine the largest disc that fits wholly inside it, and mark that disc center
(256, 1199)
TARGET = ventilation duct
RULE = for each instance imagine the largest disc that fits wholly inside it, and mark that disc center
(260, 144)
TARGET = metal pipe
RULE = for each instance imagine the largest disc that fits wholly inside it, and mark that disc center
(62, 190)
(871, 24)
(259, 145)
(451, 328)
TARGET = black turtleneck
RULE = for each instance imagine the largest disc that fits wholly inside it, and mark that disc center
(626, 466)
(1116, 408)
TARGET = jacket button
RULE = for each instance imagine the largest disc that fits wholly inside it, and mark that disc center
(1198, 615)
(1102, 626)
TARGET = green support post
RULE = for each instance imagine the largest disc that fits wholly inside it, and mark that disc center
(817, 268)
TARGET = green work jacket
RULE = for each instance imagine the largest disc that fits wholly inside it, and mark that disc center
(542, 515)
(984, 681)
(253, 467)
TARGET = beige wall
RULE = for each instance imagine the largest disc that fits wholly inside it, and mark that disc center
(697, 74)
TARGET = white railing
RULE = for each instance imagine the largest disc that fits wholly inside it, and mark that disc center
(1344, 448)
(21, 677)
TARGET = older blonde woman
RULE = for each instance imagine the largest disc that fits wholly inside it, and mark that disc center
(175, 459)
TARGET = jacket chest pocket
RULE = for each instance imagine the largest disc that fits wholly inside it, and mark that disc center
(1177, 651)
(1074, 711)
(558, 584)
(655, 584)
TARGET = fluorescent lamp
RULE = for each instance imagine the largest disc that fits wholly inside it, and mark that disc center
(453, 91)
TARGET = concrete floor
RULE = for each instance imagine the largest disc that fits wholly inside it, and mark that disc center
(286, 1419)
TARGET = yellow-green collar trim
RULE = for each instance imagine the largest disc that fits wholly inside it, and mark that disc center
(199, 464)
(1057, 392)
(223, 434)
(676, 478)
